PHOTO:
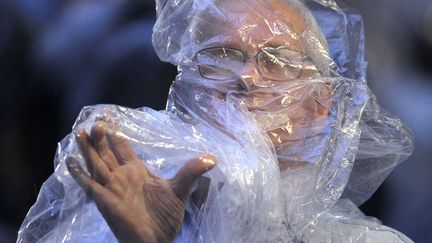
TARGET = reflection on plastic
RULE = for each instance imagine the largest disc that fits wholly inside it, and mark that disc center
(274, 90)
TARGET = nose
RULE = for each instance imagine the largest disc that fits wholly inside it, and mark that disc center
(249, 75)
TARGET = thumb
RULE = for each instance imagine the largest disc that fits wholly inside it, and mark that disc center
(190, 172)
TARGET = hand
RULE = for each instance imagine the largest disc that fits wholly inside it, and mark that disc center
(137, 205)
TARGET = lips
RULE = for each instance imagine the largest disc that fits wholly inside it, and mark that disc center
(268, 102)
(256, 108)
(296, 134)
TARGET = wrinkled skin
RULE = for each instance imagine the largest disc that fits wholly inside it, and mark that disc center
(304, 103)
(137, 205)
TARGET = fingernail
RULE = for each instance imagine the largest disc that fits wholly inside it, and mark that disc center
(68, 162)
(98, 130)
(79, 134)
(100, 125)
(208, 159)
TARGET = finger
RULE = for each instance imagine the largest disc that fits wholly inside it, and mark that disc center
(190, 172)
(107, 117)
(100, 143)
(98, 169)
(91, 187)
(122, 149)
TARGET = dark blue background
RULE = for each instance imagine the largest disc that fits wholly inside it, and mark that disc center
(57, 56)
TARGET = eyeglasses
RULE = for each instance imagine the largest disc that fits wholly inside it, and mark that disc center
(277, 64)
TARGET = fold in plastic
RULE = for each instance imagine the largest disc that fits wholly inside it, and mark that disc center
(294, 157)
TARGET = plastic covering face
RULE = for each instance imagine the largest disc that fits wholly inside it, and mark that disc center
(276, 91)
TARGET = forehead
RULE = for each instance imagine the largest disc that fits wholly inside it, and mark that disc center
(256, 24)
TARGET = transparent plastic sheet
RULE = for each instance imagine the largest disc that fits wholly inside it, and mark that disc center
(287, 150)
(164, 142)
(345, 219)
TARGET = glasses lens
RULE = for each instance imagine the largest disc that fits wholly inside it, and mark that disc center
(280, 64)
(219, 63)
(215, 73)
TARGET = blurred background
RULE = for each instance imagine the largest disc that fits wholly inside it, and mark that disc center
(57, 56)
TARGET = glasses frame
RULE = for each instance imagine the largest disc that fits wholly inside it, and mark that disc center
(255, 57)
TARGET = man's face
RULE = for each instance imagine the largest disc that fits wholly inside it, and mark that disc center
(265, 56)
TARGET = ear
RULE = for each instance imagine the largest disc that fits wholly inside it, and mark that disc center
(324, 99)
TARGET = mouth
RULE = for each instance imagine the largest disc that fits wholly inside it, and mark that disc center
(294, 140)
(273, 103)
(256, 108)
(267, 106)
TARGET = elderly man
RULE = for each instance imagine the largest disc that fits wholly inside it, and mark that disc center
(258, 91)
